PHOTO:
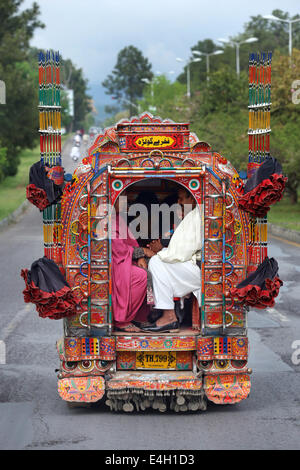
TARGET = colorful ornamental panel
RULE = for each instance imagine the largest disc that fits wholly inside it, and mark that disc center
(76, 349)
(227, 389)
(131, 360)
(186, 343)
(154, 142)
(223, 347)
(164, 382)
(149, 133)
(83, 389)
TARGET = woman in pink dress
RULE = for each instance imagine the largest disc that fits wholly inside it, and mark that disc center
(129, 276)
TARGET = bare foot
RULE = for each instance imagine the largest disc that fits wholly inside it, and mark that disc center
(167, 317)
(130, 328)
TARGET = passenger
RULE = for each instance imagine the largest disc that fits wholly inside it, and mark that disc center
(147, 199)
(129, 276)
(176, 270)
(170, 200)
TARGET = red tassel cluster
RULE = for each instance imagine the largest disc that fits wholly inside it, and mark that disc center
(256, 296)
(37, 196)
(53, 305)
(259, 199)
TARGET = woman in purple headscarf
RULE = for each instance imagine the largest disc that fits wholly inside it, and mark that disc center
(129, 276)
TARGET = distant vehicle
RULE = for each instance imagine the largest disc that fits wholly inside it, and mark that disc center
(93, 131)
(75, 153)
(77, 140)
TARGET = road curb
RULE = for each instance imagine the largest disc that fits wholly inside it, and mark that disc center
(285, 233)
(14, 216)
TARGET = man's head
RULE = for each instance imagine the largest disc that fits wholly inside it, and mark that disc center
(185, 198)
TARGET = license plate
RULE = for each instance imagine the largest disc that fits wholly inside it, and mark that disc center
(156, 360)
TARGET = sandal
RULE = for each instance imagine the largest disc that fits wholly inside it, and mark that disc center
(142, 324)
(128, 329)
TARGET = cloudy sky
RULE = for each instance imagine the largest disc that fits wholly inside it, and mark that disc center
(92, 32)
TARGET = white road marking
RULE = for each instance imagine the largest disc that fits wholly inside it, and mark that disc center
(276, 314)
(2, 353)
(7, 331)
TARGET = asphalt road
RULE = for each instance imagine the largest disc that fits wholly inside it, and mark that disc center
(32, 415)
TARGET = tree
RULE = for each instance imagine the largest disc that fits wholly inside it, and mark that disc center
(220, 116)
(163, 95)
(19, 117)
(198, 69)
(273, 35)
(125, 82)
(285, 120)
(66, 118)
(2, 161)
(72, 78)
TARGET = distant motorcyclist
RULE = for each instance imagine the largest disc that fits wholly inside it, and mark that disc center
(75, 152)
(77, 140)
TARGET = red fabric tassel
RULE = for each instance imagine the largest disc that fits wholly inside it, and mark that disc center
(53, 305)
(257, 297)
(37, 196)
(259, 199)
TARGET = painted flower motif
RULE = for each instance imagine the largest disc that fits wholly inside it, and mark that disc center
(72, 343)
(168, 343)
(117, 185)
(194, 184)
(144, 343)
(241, 342)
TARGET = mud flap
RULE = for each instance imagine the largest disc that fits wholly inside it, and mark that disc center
(227, 388)
(81, 389)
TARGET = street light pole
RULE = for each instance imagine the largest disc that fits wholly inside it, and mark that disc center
(188, 79)
(150, 82)
(237, 59)
(290, 39)
(207, 67)
(237, 50)
(290, 23)
(188, 74)
(219, 51)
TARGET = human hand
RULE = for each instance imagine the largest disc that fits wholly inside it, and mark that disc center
(141, 262)
(155, 246)
(149, 253)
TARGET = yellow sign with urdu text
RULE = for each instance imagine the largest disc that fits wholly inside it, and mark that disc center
(154, 141)
(156, 360)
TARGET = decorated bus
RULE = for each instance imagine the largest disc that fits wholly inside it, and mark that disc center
(154, 318)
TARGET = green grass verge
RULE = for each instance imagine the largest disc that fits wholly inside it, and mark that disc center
(285, 214)
(13, 188)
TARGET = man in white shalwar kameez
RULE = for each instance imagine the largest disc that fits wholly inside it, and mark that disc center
(176, 270)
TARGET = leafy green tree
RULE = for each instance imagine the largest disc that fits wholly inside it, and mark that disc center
(198, 69)
(2, 161)
(219, 115)
(224, 92)
(162, 95)
(125, 82)
(66, 118)
(285, 119)
(114, 118)
(19, 117)
(273, 35)
(73, 78)
(89, 121)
